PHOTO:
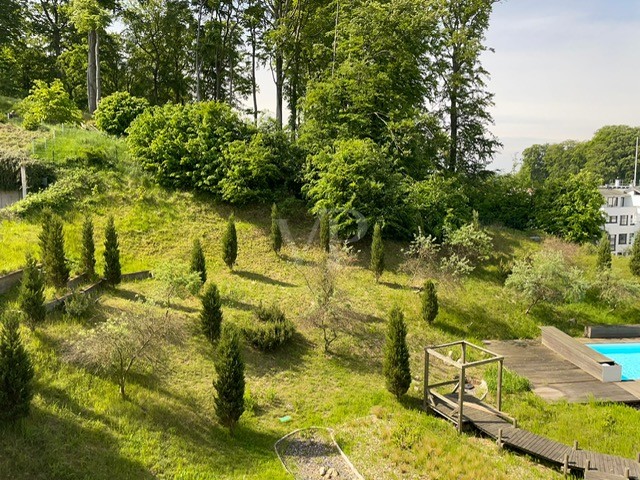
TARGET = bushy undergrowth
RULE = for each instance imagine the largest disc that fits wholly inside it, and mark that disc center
(272, 330)
(116, 112)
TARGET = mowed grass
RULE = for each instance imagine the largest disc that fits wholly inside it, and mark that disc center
(80, 428)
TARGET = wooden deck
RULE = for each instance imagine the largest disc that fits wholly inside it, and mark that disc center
(593, 465)
(554, 378)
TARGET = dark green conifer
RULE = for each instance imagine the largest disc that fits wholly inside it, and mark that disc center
(31, 298)
(603, 255)
(634, 261)
(112, 270)
(229, 384)
(325, 232)
(429, 302)
(88, 253)
(377, 252)
(230, 243)
(396, 367)
(198, 262)
(276, 234)
(211, 313)
(54, 262)
(16, 373)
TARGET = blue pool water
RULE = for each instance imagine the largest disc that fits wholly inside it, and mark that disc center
(625, 354)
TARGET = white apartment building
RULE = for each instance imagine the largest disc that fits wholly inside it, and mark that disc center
(622, 215)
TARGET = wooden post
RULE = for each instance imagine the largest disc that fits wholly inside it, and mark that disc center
(464, 352)
(425, 387)
(565, 464)
(575, 444)
(499, 438)
(515, 423)
(638, 458)
(627, 473)
(499, 392)
(23, 179)
(588, 465)
(460, 399)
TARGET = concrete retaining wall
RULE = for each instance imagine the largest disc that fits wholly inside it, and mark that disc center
(9, 198)
(9, 280)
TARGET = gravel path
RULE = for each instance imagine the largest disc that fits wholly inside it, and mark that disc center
(313, 454)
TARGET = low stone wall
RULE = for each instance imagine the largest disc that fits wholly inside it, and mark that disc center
(136, 276)
(612, 331)
(9, 280)
(9, 198)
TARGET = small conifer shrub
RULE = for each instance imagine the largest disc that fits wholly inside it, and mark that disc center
(603, 258)
(16, 373)
(88, 253)
(396, 367)
(54, 263)
(230, 243)
(276, 234)
(429, 302)
(229, 383)
(211, 313)
(377, 252)
(112, 271)
(272, 329)
(31, 297)
(198, 262)
(634, 262)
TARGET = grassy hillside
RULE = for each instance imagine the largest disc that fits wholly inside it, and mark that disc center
(80, 428)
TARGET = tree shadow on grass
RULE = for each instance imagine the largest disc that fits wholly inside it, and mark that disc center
(129, 295)
(290, 356)
(395, 286)
(298, 260)
(474, 321)
(257, 277)
(237, 304)
(46, 446)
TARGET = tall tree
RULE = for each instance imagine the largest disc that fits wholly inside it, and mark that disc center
(603, 254)
(230, 243)
(16, 373)
(11, 20)
(198, 262)
(89, 18)
(211, 313)
(462, 92)
(229, 383)
(253, 20)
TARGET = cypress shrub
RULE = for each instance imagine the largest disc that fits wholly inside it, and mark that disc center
(31, 298)
(603, 255)
(211, 313)
(396, 355)
(16, 373)
(198, 262)
(325, 232)
(230, 243)
(634, 261)
(54, 262)
(429, 302)
(377, 252)
(276, 234)
(112, 271)
(229, 383)
(88, 253)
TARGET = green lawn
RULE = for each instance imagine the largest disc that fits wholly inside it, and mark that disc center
(80, 428)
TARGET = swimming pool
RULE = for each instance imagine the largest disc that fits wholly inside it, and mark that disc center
(625, 354)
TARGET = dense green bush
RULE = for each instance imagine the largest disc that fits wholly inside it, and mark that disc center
(272, 330)
(52, 251)
(211, 313)
(429, 302)
(230, 243)
(198, 262)
(112, 269)
(184, 145)
(88, 249)
(48, 104)
(116, 112)
(78, 305)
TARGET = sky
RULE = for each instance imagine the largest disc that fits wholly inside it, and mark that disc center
(560, 70)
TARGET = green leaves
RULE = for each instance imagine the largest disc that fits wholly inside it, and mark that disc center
(396, 366)
(48, 104)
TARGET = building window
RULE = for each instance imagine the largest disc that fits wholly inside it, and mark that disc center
(632, 220)
(612, 242)
(622, 239)
(622, 201)
(624, 220)
(613, 219)
(612, 201)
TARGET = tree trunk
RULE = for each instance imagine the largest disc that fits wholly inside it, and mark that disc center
(98, 76)
(254, 87)
(91, 72)
(279, 88)
(453, 113)
(198, 93)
